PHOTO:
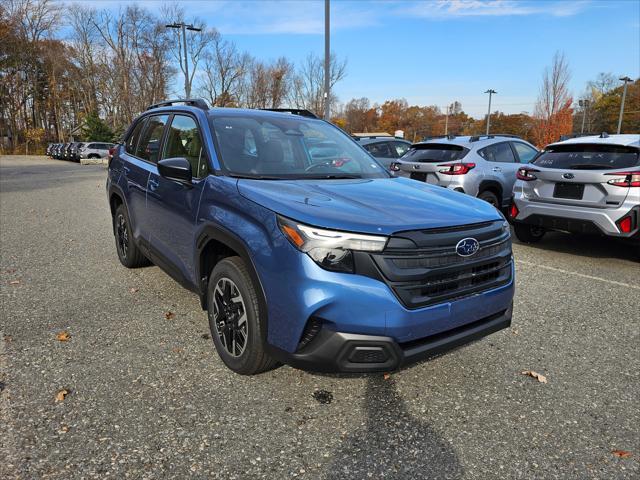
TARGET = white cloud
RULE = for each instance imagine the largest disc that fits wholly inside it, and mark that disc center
(443, 9)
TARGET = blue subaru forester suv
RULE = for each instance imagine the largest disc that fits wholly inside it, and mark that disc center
(301, 247)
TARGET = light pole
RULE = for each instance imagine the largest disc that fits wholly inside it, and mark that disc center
(185, 27)
(490, 92)
(327, 59)
(624, 94)
(584, 104)
(446, 121)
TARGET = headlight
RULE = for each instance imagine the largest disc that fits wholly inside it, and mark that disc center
(330, 249)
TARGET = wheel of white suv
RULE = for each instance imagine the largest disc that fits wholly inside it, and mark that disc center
(528, 233)
(234, 318)
(128, 252)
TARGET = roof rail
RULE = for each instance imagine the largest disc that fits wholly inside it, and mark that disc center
(192, 102)
(293, 111)
(604, 135)
(433, 137)
(475, 138)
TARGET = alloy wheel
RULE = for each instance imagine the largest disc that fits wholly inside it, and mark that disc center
(122, 235)
(230, 317)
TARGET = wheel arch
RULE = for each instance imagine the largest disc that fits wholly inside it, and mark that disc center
(494, 187)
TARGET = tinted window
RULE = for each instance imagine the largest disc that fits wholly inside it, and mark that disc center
(401, 148)
(287, 146)
(525, 152)
(184, 140)
(434, 152)
(149, 144)
(499, 152)
(588, 157)
(132, 141)
(380, 149)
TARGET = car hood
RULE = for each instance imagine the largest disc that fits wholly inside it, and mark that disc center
(382, 206)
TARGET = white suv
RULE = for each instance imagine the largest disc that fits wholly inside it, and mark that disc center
(584, 185)
(95, 150)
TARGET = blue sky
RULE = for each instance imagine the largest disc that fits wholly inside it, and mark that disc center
(435, 52)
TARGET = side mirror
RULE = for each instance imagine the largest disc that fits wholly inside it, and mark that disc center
(178, 169)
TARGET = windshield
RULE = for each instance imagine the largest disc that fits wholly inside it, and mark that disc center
(434, 152)
(285, 147)
(588, 157)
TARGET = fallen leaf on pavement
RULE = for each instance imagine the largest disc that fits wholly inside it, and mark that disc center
(14, 282)
(63, 429)
(536, 375)
(621, 453)
(63, 336)
(176, 350)
(169, 315)
(133, 290)
(387, 376)
(61, 394)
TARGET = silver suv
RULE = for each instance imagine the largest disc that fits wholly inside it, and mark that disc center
(95, 150)
(483, 166)
(583, 185)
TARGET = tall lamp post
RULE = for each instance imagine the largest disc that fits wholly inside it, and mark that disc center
(584, 104)
(490, 92)
(185, 27)
(624, 94)
(327, 60)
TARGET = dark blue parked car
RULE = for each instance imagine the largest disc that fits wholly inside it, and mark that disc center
(302, 248)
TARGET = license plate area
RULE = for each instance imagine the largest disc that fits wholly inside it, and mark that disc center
(420, 176)
(572, 191)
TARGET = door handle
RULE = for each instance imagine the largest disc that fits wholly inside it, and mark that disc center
(126, 170)
(153, 184)
(497, 169)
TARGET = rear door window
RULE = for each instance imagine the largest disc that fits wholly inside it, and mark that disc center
(498, 152)
(149, 145)
(525, 152)
(434, 152)
(380, 149)
(586, 156)
(401, 148)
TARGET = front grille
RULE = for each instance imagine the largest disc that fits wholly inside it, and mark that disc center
(432, 272)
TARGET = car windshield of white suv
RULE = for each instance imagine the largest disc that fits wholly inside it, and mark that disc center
(585, 156)
(434, 152)
(280, 147)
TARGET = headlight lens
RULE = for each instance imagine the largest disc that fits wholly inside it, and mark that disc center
(330, 249)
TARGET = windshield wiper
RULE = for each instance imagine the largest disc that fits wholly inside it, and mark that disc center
(254, 177)
(330, 176)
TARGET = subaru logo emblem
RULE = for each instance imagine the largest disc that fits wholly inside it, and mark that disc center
(467, 247)
(568, 176)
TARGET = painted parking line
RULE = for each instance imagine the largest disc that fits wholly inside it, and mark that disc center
(576, 274)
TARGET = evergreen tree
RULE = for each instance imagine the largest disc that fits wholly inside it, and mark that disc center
(96, 130)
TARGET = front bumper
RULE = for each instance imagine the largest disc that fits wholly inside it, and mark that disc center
(576, 219)
(332, 351)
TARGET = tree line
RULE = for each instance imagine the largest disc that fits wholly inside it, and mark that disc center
(76, 71)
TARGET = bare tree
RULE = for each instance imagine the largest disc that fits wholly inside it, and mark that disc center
(224, 70)
(308, 85)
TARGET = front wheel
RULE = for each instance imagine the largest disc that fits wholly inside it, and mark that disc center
(128, 252)
(528, 233)
(490, 197)
(234, 318)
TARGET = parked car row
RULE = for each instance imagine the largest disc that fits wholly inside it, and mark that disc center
(75, 151)
(589, 184)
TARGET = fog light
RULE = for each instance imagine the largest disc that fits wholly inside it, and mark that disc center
(368, 355)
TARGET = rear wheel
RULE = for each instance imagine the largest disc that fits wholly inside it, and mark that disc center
(528, 233)
(128, 252)
(490, 197)
(234, 318)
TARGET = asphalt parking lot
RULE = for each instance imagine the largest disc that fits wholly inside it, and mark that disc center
(147, 396)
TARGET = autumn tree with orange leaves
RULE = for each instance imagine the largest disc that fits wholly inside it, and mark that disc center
(553, 114)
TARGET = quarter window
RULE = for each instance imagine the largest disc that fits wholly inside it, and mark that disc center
(132, 141)
(379, 150)
(149, 144)
(525, 152)
(184, 140)
(498, 152)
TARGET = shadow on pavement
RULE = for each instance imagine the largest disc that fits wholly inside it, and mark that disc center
(393, 443)
(587, 245)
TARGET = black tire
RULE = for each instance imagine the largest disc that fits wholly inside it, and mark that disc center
(490, 197)
(228, 326)
(93, 155)
(528, 233)
(128, 252)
